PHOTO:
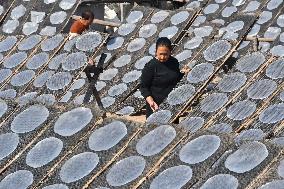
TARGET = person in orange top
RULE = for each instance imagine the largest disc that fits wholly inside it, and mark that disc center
(79, 26)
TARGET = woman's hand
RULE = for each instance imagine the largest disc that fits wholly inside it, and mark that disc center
(91, 61)
(154, 106)
(185, 69)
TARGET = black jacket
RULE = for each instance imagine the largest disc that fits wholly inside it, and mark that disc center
(158, 79)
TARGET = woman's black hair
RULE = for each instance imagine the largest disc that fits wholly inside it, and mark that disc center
(164, 41)
(88, 15)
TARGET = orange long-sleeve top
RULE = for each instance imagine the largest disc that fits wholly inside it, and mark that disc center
(78, 27)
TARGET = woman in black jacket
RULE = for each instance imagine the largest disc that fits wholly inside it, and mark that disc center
(160, 75)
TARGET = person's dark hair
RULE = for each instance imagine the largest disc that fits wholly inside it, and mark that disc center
(164, 41)
(87, 15)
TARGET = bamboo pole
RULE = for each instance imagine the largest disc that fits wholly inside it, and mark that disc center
(97, 21)
(260, 39)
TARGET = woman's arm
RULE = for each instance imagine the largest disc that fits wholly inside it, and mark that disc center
(146, 80)
(146, 83)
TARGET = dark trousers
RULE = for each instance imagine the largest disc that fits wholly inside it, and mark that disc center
(149, 111)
